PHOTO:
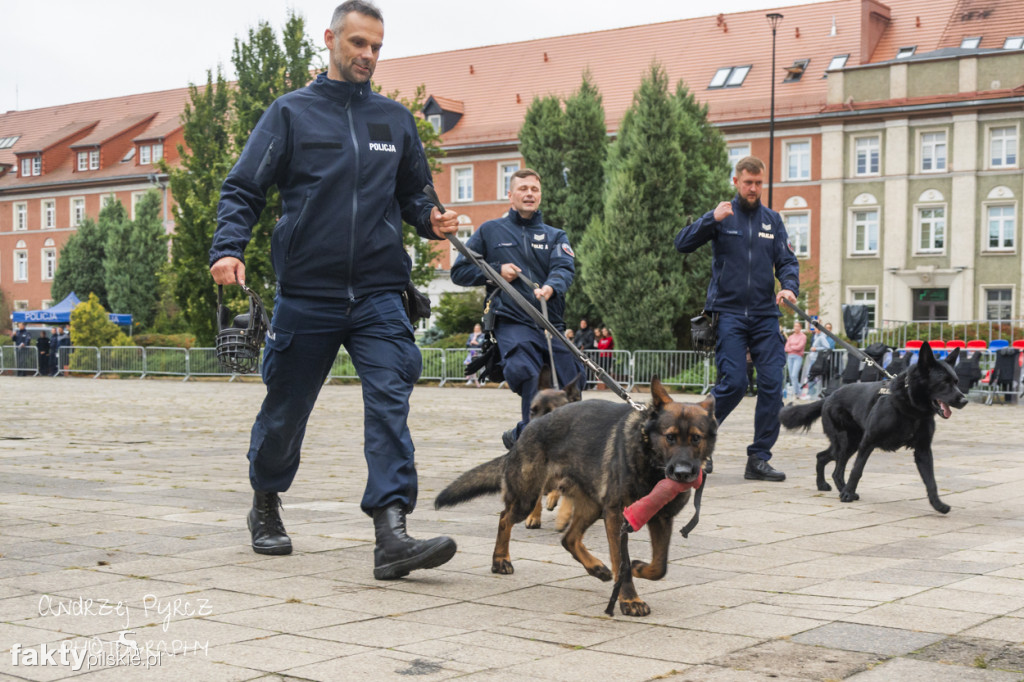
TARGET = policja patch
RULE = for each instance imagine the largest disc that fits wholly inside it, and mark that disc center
(568, 250)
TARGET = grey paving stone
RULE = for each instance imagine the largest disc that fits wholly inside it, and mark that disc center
(866, 638)
(907, 670)
(798, 661)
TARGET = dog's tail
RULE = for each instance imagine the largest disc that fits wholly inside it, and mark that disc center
(484, 479)
(801, 416)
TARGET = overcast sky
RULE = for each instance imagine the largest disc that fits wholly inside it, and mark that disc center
(62, 51)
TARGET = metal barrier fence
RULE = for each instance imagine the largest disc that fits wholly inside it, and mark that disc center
(896, 333)
(23, 361)
(686, 369)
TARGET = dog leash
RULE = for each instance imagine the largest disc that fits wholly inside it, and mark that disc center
(547, 335)
(519, 300)
(857, 352)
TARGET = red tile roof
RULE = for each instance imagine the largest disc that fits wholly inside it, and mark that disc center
(992, 21)
(46, 138)
(111, 130)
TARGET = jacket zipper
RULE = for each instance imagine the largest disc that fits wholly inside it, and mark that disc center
(750, 264)
(355, 198)
(265, 163)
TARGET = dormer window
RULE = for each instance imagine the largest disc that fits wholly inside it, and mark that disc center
(94, 159)
(435, 121)
(970, 43)
(144, 154)
(442, 113)
(905, 52)
(32, 165)
(83, 161)
(729, 77)
(796, 71)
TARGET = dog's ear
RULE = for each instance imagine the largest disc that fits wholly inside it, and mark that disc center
(572, 389)
(709, 405)
(659, 396)
(925, 357)
(951, 359)
(544, 378)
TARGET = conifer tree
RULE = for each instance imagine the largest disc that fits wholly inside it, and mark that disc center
(80, 266)
(542, 144)
(136, 254)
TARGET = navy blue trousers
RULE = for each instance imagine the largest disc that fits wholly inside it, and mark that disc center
(524, 350)
(737, 333)
(377, 335)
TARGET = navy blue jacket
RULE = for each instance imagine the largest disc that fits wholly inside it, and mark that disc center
(750, 249)
(541, 251)
(350, 166)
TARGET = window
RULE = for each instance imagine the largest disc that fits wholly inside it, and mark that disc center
(867, 152)
(729, 77)
(158, 152)
(798, 160)
(21, 305)
(798, 226)
(796, 71)
(21, 265)
(136, 198)
(838, 62)
(1014, 43)
(94, 159)
(737, 152)
(998, 304)
(128, 156)
(144, 154)
(869, 299)
(933, 152)
(49, 263)
(865, 232)
(970, 43)
(1003, 147)
(77, 211)
(83, 161)
(905, 52)
(435, 121)
(8, 142)
(931, 225)
(1002, 227)
(26, 167)
(37, 165)
(931, 304)
(463, 183)
(49, 214)
(47, 304)
(505, 171)
(21, 216)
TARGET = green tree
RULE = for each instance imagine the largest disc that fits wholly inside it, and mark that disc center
(206, 159)
(542, 144)
(459, 311)
(80, 266)
(136, 255)
(633, 274)
(90, 326)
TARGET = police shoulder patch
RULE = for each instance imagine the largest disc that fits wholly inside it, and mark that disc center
(568, 250)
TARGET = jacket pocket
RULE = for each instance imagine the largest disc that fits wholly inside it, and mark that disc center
(299, 220)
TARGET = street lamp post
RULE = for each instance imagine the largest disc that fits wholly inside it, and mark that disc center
(773, 20)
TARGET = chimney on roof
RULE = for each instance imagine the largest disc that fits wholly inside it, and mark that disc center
(834, 30)
(471, 69)
(917, 23)
(797, 31)
(720, 21)
(545, 56)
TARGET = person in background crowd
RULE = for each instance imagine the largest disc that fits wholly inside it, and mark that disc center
(819, 343)
(43, 348)
(584, 339)
(796, 344)
(476, 339)
(22, 344)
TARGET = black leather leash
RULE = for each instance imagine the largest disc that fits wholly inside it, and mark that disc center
(857, 352)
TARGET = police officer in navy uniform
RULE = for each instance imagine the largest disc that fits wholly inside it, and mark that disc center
(520, 243)
(750, 249)
(350, 167)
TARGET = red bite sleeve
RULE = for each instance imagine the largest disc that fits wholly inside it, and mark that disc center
(641, 511)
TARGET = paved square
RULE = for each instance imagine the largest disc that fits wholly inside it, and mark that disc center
(125, 554)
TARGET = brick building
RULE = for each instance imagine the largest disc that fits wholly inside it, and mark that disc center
(897, 142)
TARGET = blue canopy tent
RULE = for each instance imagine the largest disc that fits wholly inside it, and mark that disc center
(61, 314)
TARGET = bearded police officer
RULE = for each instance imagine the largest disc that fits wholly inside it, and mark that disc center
(350, 167)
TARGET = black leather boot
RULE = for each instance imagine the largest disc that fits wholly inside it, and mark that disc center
(760, 470)
(268, 534)
(396, 553)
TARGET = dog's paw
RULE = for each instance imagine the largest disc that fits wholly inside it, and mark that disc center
(552, 500)
(941, 507)
(824, 486)
(848, 497)
(502, 566)
(532, 522)
(600, 572)
(560, 526)
(634, 607)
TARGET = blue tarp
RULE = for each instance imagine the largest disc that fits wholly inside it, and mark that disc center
(61, 314)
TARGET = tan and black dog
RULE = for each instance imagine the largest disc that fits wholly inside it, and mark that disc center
(545, 401)
(606, 455)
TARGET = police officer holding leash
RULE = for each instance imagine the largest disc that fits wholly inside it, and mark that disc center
(522, 248)
(751, 249)
(350, 166)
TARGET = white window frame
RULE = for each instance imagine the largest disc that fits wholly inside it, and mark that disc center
(854, 223)
(919, 221)
(786, 157)
(26, 167)
(802, 248)
(1013, 43)
(21, 265)
(870, 297)
(505, 172)
(970, 43)
(986, 226)
(48, 208)
(436, 121)
(20, 209)
(94, 159)
(77, 216)
(904, 52)
(922, 144)
(1010, 143)
(735, 158)
(48, 263)
(136, 198)
(144, 151)
(83, 161)
(37, 165)
(157, 151)
(983, 293)
(20, 305)
(876, 149)
(456, 194)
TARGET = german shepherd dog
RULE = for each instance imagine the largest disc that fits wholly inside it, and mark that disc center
(545, 401)
(606, 455)
(883, 414)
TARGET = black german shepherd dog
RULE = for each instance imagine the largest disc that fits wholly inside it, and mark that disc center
(883, 414)
(605, 455)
